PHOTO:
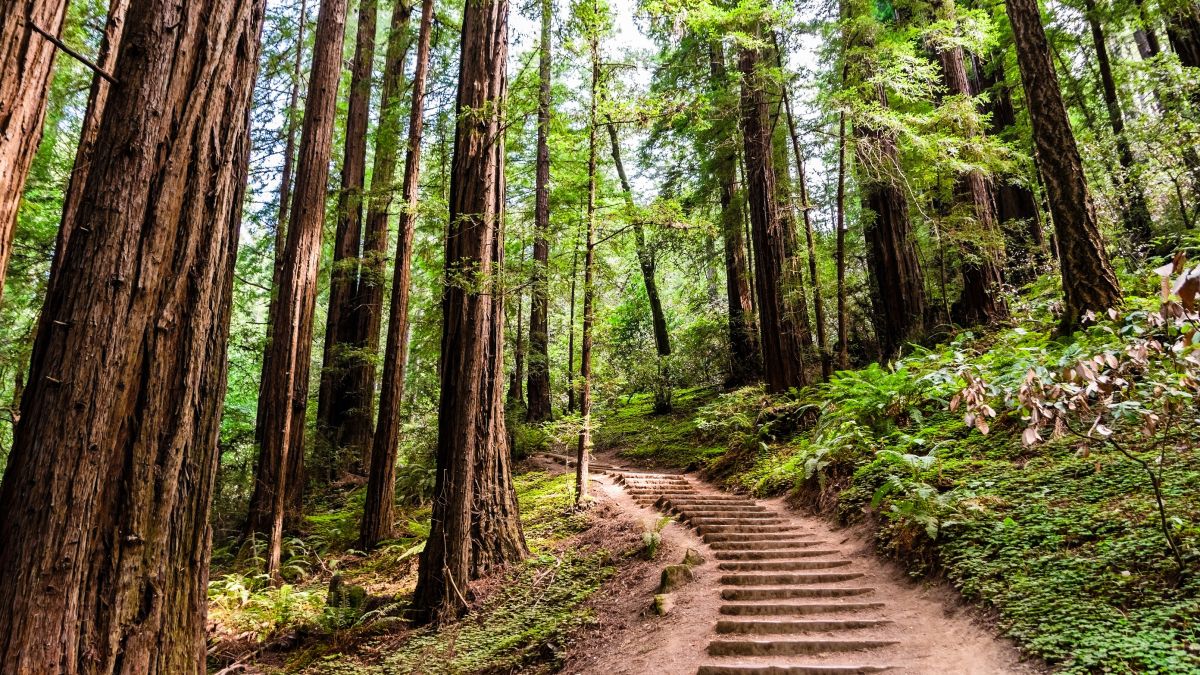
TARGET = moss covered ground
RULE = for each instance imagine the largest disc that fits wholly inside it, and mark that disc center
(521, 620)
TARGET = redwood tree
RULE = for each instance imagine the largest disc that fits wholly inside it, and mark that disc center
(1134, 211)
(475, 526)
(104, 543)
(381, 480)
(743, 352)
(981, 300)
(779, 335)
(114, 28)
(897, 284)
(1089, 282)
(343, 416)
(279, 473)
(26, 61)
(538, 386)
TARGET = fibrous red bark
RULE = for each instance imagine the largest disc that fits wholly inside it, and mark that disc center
(475, 527)
(26, 61)
(279, 473)
(1089, 282)
(381, 481)
(779, 334)
(104, 543)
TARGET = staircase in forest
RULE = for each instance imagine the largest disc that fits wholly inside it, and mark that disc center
(790, 602)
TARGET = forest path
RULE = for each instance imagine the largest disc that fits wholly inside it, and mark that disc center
(787, 594)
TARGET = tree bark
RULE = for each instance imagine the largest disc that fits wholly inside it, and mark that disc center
(516, 380)
(571, 323)
(648, 265)
(279, 475)
(779, 336)
(475, 527)
(105, 539)
(343, 417)
(538, 386)
(843, 316)
(285, 197)
(743, 351)
(1014, 203)
(584, 449)
(646, 261)
(805, 209)
(1089, 282)
(381, 482)
(27, 61)
(982, 299)
(114, 27)
(1183, 32)
(1135, 214)
(897, 282)
(368, 297)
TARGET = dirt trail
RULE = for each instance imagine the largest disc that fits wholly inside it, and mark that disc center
(784, 594)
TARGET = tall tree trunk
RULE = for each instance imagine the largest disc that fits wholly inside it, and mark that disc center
(341, 418)
(584, 449)
(285, 197)
(981, 300)
(114, 28)
(648, 265)
(381, 482)
(1134, 212)
(538, 387)
(806, 214)
(1015, 205)
(368, 298)
(105, 541)
(279, 475)
(474, 524)
(571, 324)
(843, 316)
(646, 261)
(894, 268)
(794, 298)
(1149, 47)
(743, 352)
(1183, 32)
(897, 282)
(26, 59)
(779, 336)
(1089, 282)
(516, 380)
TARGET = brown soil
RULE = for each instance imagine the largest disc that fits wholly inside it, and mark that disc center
(933, 629)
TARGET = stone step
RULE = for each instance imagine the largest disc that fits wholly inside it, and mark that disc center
(755, 519)
(708, 495)
(797, 608)
(774, 555)
(717, 509)
(770, 535)
(780, 565)
(721, 510)
(792, 592)
(782, 578)
(704, 504)
(790, 647)
(799, 669)
(742, 528)
(719, 542)
(792, 626)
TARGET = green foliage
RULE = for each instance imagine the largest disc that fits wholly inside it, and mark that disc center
(1063, 542)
